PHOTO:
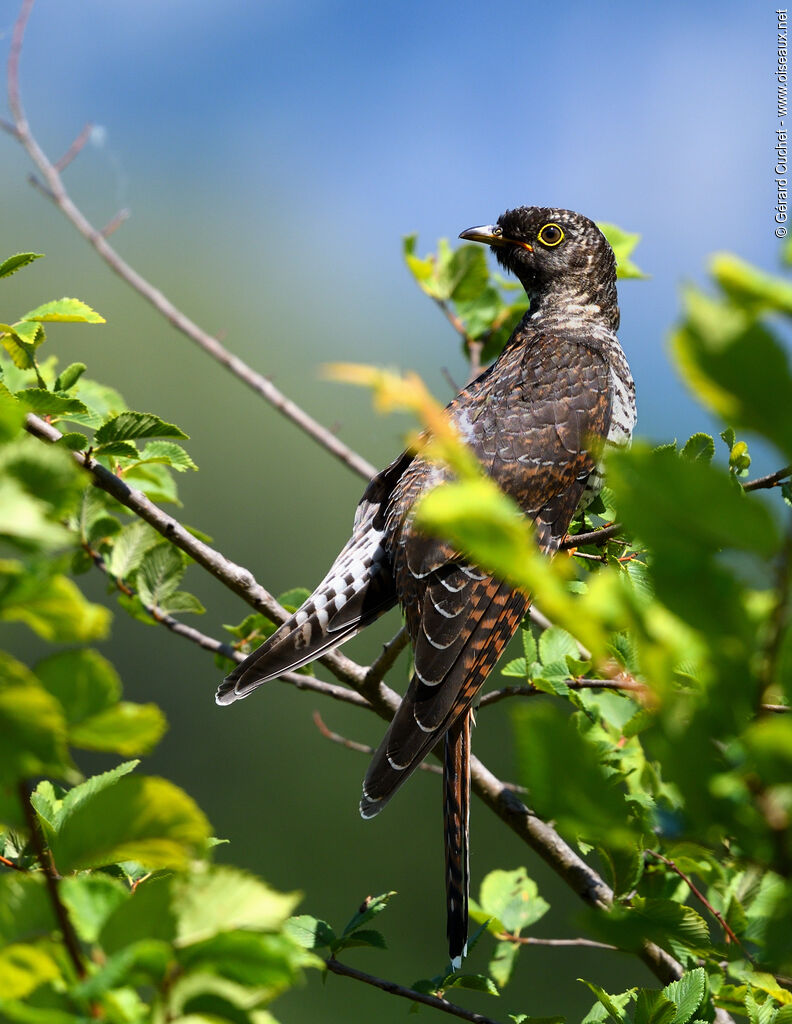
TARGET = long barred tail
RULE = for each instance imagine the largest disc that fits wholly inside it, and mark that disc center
(357, 589)
(456, 821)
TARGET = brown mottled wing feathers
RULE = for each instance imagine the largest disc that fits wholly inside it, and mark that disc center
(533, 426)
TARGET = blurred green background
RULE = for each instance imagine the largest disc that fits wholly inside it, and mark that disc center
(272, 154)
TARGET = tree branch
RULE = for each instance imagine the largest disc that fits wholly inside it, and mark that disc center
(528, 940)
(336, 967)
(730, 936)
(44, 857)
(598, 536)
(57, 193)
(771, 480)
(629, 685)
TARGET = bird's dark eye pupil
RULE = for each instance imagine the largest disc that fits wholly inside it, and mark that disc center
(551, 234)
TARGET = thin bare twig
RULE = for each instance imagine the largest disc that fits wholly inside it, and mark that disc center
(598, 536)
(407, 993)
(527, 940)
(771, 480)
(385, 662)
(74, 149)
(730, 936)
(114, 223)
(12, 864)
(364, 748)
(56, 191)
(44, 857)
(628, 684)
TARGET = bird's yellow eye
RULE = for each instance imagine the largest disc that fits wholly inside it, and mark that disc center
(550, 235)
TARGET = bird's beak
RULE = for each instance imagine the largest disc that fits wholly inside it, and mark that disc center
(490, 234)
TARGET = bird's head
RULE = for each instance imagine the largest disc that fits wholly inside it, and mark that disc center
(554, 253)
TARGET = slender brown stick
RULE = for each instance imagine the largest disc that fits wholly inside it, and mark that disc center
(629, 685)
(56, 191)
(730, 936)
(407, 993)
(44, 857)
(527, 940)
(12, 864)
(771, 480)
(598, 536)
(74, 149)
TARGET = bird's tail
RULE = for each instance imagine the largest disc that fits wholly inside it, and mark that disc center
(357, 589)
(456, 821)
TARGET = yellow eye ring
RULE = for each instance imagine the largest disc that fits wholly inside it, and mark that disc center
(551, 235)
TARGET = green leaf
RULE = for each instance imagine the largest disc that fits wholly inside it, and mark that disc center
(169, 453)
(589, 804)
(90, 899)
(466, 273)
(181, 602)
(83, 681)
(159, 574)
(652, 1007)
(310, 932)
(23, 968)
(369, 908)
(86, 791)
(749, 287)
(622, 243)
(124, 729)
(25, 907)
(143, 818)
(52, 607)
(361, 937)
(687, 994)
(268, 963)
(476, 982)
(64, 311)
(47, 403)
(130, 545)
(14, 263)
(128, 426)
(662, 496)
(513, 899)
(718, 349)
(699, 447)
(501, 965)
(68, 378)
(74, 441)
(120, 449)
(32, 728)
(614, 1004)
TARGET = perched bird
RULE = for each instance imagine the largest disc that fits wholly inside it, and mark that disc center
(536, 419)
